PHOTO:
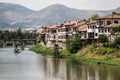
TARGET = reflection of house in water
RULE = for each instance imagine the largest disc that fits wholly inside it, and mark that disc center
(62, 69)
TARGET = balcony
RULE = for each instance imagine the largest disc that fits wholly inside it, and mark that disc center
(63, 40)
(52, 39)
(91, 30)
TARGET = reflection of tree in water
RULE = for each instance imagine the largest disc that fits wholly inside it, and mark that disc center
(51, 67)
(45, 65)
(55, 66)
(76, 70)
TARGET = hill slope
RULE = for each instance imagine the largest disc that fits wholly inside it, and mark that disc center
(14, 15)
(59, 13)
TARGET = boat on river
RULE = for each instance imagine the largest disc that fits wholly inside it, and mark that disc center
(16, 50)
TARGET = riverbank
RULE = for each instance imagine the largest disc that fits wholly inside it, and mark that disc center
(90, 53)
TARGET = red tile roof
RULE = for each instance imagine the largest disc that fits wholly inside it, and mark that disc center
(112, 25)
(82, 22)
(54, 26)
(69, 23)
(110, 16)
(91, 22)
(82, 28)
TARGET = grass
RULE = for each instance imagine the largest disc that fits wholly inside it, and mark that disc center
(41, 50)
(92, 54)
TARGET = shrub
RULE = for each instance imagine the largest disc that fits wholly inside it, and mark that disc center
(91, 48)
(9, 44)
(41, 49)
(106, 44)
(117, 42)
(103, 51)
(102, 38)
(74, 44)
(64, 53)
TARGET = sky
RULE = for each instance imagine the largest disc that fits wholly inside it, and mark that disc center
(78, 4)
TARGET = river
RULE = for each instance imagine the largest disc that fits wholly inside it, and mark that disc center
(31, 66)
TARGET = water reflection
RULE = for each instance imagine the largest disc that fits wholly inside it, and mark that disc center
(62, 69)
(30, 66)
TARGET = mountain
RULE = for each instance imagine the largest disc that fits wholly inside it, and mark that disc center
(10, 13)
(117, 10)
(13, 12)
(14, 15)
(59, 13)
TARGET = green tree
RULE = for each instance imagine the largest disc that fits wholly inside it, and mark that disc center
(74, 44)
(94, 17)
(116, 13)
(1, 33)
(19, 33)
(102, 38)
(117, 42)
(116, 29)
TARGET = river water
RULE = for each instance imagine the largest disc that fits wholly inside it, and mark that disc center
(31, 66)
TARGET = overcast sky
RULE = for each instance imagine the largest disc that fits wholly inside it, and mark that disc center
(78, 4)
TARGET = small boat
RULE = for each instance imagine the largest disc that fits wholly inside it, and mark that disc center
(22, 48)
(16, 50)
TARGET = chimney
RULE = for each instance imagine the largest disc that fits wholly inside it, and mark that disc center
(69, 21)
(64, 21)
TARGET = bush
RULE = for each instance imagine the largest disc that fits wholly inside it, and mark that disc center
(103, 51)
(102, 38)
(117, 42)
(41, 49)
(9, 44)
(74, 44)
(91, 48)
(64, 53)
(106, 44)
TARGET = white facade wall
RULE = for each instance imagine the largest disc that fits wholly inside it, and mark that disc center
(93, 29)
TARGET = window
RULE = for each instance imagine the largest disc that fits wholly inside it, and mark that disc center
(108, 30)
(116, 22)
(96, 34)
(102, 30)
(88, 27)
(74, 29)
(100, 23)
(97, 22)
(105, 30)
(99, 30)
(108, 22)
(93, 26)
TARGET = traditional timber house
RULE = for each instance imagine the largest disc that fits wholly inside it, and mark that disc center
(61, 33)
(66, 31)
(82, 29)
(105, 24)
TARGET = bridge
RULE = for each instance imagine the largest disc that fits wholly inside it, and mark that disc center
(21, 41)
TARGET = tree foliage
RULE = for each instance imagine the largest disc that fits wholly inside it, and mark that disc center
(102, 38)
(115, 13)
(94, 17)
(116, 29)
(18, 34)
(117, 41)
(74, 44)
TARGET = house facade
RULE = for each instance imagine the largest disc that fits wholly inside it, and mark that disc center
(86, 30)
(105, 25)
